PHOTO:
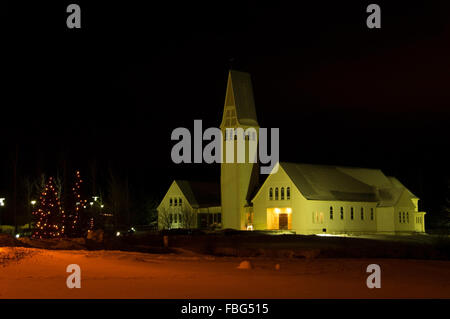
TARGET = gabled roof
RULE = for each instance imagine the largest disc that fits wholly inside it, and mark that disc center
(200, 194)
(240, 94)
(335, 183)
(391, 195)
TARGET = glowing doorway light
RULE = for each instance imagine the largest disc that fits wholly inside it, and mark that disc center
(2, 201)
(249, 227)
(277, 210)
(289, 210)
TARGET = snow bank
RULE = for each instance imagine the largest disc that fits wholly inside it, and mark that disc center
(7, 240)
(63, 243)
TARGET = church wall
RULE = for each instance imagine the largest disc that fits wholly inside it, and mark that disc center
(301, 205)
(419, 221)
(385, 219)
(405, 213)
(319, 219)
(262, 202)
(404, 219)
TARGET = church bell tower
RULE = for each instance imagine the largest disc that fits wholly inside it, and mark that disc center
(238, 178)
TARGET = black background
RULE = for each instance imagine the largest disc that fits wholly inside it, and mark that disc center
(111, 92)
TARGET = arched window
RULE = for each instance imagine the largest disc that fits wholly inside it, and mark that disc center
(179, 201)
(288, 193)
(276, 193)
(362, 213)
(175, 202)
(403, 217)
(351, 213)
(399, 217)
(371, 214)
(331, 212)
(342, 212)
(282, 193)
(170, 202)
(271, 193)
(407, 217)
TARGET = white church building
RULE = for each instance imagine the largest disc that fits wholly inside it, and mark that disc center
(297, 197)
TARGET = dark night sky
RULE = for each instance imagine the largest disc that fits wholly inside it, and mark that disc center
(114, 90)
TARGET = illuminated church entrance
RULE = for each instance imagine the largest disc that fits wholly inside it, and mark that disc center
(279, 218)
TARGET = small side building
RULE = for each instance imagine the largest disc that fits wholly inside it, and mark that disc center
(190, 204)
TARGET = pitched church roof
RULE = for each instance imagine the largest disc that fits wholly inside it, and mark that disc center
(240, 94)
(335, 183)
(200, 194)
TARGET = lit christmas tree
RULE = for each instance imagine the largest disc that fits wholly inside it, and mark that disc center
(48, 215)
(75, 223)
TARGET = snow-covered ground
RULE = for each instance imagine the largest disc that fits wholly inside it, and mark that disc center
(37, 273)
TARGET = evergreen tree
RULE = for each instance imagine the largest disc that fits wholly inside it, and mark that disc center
(48, 215)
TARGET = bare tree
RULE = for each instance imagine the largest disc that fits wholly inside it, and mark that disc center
(118, 198)
(58, 181)
(187, 218)
(31, 189)
(164, 220)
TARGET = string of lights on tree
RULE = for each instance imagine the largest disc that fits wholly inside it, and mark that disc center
(73, 222)
(48, 215)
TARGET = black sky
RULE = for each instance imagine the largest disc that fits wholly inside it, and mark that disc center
(114, 90)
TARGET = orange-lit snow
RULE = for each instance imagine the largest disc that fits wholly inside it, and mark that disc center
(36, 273)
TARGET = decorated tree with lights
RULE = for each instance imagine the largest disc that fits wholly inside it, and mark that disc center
(75, 218)
(48, 216)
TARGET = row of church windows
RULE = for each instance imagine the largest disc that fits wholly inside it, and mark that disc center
(175, 202)
(231, 134)
(209, 218)
(175, 218)
(318, 218)
(281, 193)
(401, 218)
(419, 220)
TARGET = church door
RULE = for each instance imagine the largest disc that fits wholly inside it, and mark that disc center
(283, 221)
